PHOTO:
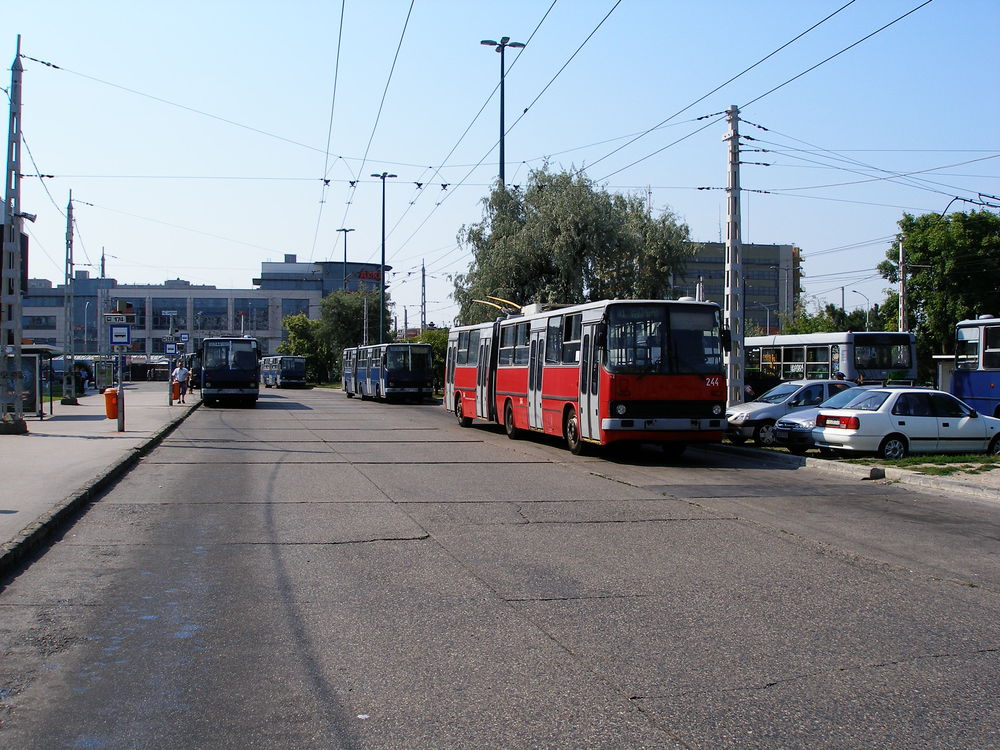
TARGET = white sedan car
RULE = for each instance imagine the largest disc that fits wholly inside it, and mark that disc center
(893, 422)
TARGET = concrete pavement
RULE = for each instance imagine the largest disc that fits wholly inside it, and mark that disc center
(68, 458)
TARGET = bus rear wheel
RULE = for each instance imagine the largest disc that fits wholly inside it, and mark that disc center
(508, 422)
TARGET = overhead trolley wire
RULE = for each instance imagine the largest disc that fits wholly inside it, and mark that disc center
(378, 115)
(329, 132)
(717, 88)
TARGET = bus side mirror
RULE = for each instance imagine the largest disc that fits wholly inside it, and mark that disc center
(601, 338)
(727, 339)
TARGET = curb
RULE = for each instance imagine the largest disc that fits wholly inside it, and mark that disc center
(865, 473)
(32, 536)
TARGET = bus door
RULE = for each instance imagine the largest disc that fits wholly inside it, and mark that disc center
(536, 360)
(449, 375)
(482, 379)
(589, 404)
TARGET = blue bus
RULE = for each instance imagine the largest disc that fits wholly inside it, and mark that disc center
(283, 370)
(976, 379)
(230, 370)
(388, 371)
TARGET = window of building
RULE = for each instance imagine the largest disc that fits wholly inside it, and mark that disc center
(250, 314)
(294, 307)
(166, 309)
(211, 314)
(44, 322)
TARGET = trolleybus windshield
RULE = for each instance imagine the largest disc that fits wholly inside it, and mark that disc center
(232, 354)
(669, 340)
(408, 358)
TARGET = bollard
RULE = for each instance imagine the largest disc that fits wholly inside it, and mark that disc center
(111, 403)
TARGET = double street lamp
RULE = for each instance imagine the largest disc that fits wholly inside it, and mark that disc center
(381, 290)
(500, 47)
(868, 308)
(345, 231)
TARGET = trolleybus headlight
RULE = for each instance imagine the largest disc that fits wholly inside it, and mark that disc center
(620, 410)
(717, 409)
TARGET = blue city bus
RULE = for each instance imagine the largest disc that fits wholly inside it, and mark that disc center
(230, 370)
(976, 379)
(283, 370)
(389, 372)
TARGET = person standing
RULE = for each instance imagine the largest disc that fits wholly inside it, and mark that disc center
(180, 376)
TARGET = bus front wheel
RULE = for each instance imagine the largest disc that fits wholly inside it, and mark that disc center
(571, 431)
(463, 420)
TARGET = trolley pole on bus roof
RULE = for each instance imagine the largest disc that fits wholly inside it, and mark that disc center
(734, 263)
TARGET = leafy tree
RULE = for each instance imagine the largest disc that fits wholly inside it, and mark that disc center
(341, 324)
(304, 339)
(951, 274)
(827, 319)
(562, 239)
(438, 339)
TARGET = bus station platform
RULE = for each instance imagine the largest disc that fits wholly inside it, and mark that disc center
(70, 454)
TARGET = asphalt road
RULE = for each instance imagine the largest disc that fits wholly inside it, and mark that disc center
(329, 573)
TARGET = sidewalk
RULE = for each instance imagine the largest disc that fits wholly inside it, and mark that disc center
(69, 457)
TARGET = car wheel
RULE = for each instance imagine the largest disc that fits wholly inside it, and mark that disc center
(571, 431)
(994, 449)
(763, 435)
(893, 447)
(508, 422)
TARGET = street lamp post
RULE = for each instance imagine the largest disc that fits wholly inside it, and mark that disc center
(381, 291)
(868, 307)
(345, 231)
(500, 47)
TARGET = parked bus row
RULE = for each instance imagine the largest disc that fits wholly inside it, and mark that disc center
(388, 372)
(282, 371)
(597, 373)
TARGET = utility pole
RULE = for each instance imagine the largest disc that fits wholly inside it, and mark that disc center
(423, 298)
(11, 303)
(902, 288)
(381, 275)
(734, 262)
(69, 359)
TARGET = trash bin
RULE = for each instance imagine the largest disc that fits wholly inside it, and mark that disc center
(111, 403)
(175, 390)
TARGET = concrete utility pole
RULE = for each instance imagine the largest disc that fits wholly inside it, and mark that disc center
(733, 309)
(11, 321)
(423, 298)
(69, 352)
(902, 288)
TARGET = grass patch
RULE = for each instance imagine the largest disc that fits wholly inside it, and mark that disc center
(936, 465)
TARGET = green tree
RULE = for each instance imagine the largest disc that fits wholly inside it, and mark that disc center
(952, 264)
(304, 339)
(829, 318)
(342, 322)
(438, 339)
(561, 239)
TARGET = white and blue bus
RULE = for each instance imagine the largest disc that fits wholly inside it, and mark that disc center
(283, 370)
(230, 370)
(388, 371)
(879, 357)
(976, 379)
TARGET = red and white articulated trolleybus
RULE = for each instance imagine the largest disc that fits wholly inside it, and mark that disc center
(596, 373)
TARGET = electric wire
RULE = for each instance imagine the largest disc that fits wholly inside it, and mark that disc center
(329, 133)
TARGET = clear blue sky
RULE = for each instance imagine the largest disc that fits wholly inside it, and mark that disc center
(198, 132)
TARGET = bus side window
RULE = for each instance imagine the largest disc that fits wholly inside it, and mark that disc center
(991, 350)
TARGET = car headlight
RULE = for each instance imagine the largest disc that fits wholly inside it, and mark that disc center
(738, 417)
(807, 425)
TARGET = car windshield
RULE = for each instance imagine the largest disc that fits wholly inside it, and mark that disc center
(778, 394)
